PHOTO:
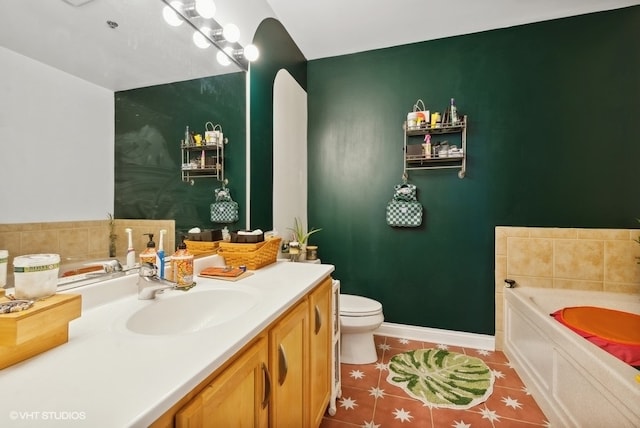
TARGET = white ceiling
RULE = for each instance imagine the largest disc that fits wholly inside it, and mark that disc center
(144, 51)
(337, 27)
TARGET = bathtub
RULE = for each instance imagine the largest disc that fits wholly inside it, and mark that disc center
(575, 383)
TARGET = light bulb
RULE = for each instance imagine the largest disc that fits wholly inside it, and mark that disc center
(224, 59)
(170, 16)
(251, 52)
(231, 33)
(206, 8)
(200, 40)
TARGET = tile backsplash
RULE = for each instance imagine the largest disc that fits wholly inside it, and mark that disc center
(76, 241)
(570, 258)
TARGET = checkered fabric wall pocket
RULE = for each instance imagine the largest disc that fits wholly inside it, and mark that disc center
(224, 209)
(404, 210)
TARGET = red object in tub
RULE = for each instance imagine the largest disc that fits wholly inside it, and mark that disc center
(616, 332)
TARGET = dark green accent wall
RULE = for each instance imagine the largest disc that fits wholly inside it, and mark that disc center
(150, 123)
(277, 51)
(554, 120)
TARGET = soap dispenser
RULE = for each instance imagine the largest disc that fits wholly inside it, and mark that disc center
(149, 254)
(182, 266)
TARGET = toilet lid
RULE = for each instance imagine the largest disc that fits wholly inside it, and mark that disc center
(358, 306)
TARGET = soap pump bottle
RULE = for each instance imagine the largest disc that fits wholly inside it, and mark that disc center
(182, 266)
(149, 254)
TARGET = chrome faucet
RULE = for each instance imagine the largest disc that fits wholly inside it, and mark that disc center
(150, 284)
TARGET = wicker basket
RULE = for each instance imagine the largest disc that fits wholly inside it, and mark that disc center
(253, 256)
(201, 247)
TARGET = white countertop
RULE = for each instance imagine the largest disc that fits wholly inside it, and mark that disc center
(108, 376)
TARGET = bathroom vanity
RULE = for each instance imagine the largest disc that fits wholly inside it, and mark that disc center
(262, 355)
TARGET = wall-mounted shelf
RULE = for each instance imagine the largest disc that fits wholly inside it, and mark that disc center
(203, 161)
(415, 157)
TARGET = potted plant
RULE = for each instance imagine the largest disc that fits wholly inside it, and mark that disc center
(112, 235)
(300, 239)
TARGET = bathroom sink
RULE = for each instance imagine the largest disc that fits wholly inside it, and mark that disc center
(190, 312)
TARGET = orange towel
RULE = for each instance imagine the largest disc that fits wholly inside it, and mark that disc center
(222, 272)
(609, 324)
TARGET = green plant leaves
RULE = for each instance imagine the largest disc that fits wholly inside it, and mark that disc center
(441, 378)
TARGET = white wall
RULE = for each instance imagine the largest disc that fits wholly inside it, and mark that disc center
(289, 153)
(56, 144)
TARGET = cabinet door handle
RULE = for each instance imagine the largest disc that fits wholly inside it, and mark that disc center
(282, 365)
(267, 385)
(318, 320)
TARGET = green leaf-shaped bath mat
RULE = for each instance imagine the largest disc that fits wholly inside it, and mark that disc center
(440, 378)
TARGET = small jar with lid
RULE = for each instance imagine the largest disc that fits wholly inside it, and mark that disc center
(312, 252)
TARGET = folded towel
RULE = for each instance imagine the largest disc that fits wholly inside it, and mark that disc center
(222, 271)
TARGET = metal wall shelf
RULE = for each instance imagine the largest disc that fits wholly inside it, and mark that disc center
(433, 160)
(193, 165)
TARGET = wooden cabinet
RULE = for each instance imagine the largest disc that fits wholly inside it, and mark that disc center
(238, 397)
(288, 358)
(320, 350)
(283, 379)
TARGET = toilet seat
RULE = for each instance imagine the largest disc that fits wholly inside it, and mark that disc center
(358, 306)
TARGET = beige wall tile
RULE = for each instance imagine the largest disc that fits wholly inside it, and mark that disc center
(10, 241)
(500, 272)
(578, 259)
(553, 232)
(501, 240)
(529, 257)
(603, 234)
(499, 322)
(516, 231)
(74, 243)
(39, 241)
(499, 338)
(621, 261)
(576, 284)
(532, 281)
(615, 287)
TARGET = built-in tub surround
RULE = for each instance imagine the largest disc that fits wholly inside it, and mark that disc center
(79, 240)
(574, 382)
(564, 258)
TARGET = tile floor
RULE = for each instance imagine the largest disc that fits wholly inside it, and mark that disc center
(369, 401)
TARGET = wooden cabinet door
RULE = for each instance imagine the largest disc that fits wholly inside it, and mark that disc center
(288, 362)
(238, 398)
(321, 327)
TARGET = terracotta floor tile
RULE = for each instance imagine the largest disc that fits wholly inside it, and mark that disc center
(451, 348)
(392, 411)
(360, 376)
(400, 345)
(515, 404)
(329, 422)
(505, 376)
(355, 406)
(368, 400)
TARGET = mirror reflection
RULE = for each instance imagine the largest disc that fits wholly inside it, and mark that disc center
(115, 44)
(97, 98)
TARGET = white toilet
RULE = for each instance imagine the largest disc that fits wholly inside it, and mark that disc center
(359, 317)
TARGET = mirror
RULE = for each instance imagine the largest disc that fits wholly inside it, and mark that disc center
(69, 123)
(116, 44)
(62, 65)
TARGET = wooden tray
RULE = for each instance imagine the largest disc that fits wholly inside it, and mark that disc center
(43, 326)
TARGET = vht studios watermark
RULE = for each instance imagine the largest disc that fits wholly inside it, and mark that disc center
(26, 415)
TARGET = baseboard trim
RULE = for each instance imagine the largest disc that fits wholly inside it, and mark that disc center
(435, 335)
